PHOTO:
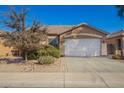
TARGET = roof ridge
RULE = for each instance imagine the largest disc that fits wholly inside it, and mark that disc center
(61, 25)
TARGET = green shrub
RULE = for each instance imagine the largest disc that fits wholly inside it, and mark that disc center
(49, 51)
(32, 55)
(46, 60)
(53, 52)
(43, 51)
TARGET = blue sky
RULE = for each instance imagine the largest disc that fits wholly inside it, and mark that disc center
(102, 17)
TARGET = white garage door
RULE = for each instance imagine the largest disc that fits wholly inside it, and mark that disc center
(82, 47)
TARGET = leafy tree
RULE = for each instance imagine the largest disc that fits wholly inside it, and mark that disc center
(23, 38)
(120, 9)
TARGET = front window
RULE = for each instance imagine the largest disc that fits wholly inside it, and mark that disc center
(54, 41)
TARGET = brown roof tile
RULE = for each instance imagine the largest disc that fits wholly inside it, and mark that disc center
(1, 31)
(58, 29)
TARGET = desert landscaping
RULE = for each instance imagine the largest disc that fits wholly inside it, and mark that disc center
(18, 65)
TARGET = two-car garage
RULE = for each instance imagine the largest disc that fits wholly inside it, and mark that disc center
(82, 47)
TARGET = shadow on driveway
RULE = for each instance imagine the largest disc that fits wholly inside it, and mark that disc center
(12, 60)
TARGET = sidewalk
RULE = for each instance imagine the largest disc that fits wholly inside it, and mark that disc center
(61, 80)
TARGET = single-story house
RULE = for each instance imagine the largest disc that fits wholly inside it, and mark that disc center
(116, 43)
(80, 40)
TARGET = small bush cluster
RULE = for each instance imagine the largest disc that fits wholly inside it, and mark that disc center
(117, 56)
(46, 60)
(44, 51)
(44, 55)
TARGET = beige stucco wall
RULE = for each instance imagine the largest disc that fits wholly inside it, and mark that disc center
(50, 37)
(4, 51)
(104, 49)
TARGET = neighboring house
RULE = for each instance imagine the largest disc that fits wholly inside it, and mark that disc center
(81, 40)
(4, 51)
(116, 43)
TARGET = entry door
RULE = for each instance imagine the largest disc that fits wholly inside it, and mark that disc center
(82, 47)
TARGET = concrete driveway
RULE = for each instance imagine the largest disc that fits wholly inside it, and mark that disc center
(94, 64)
(93, 72)
(76, 72)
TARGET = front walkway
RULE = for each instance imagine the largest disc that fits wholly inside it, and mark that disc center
(76, 72)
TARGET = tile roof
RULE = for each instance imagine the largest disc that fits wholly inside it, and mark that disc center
(60, 29)
(1, 31)
(54, 29)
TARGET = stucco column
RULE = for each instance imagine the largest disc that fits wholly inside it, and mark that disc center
(123, 45)
(104, 49)
(61, 45)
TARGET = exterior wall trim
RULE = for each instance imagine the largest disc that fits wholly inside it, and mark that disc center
(84, 34)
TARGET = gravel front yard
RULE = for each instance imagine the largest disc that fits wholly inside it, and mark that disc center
(28, 66)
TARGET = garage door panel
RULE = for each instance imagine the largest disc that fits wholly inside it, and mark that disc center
(82, 47)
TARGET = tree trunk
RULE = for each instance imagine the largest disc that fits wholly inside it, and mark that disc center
(25, 56)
